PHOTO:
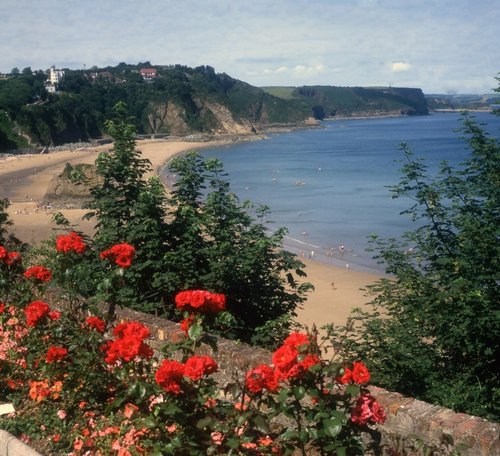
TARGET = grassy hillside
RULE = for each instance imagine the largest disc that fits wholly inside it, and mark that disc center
(328, 101)
(473, 101)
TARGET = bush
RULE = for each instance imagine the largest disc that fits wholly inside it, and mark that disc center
(201, 236)
(434, 329)
(81, 386)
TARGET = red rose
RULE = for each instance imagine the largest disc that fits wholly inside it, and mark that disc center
(201, 301)
(3, 253)
(40, 273)
(360, 373)
(54, 315)
(55, 354)
(285, 357)
(132, 328)
(169, 376)
(378, 413)
(367, 409)
(2, 307)
(197, 367)
(297, 340)
(12, 258)
(187, 323)
(96, 323)
(128, 343)
(35, 311)
(120, 254)
(71, 242)
(346, 377)
(260, 378)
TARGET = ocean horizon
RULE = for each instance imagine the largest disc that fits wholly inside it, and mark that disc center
(329, 186)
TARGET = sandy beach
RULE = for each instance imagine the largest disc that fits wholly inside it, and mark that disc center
(24, 180)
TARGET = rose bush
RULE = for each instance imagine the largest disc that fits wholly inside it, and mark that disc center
(82, 385)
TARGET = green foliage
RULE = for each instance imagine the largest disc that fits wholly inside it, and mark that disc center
(351, 101)
(434, 330)
(130, 209)
(7, 239)
(217, 245)
(200, 237)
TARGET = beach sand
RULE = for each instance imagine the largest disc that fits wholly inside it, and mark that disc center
(24, 180)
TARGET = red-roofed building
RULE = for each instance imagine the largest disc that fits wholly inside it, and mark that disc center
(148, 74)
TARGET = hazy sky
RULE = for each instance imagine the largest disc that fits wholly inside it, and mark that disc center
(438, 45)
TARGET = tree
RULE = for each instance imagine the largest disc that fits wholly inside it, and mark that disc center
(434, 329)
(130, 209)
(218, 245)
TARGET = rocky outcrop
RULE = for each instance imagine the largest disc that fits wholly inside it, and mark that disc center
(63, 188)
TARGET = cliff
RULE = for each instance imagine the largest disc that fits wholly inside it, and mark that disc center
(178, 100)
(331, 101)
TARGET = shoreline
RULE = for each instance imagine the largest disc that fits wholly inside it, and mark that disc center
(337, 289)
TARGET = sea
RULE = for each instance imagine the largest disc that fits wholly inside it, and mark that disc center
(329, 186)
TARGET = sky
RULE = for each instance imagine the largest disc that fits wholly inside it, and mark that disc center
(440, 46)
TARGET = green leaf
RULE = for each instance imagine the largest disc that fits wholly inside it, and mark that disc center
(299, 392)
(332, 427)
(261, 424)
(195, 331)
(204, 422)
(353, 390)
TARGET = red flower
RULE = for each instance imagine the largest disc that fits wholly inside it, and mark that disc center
(378, 413)
(129, 343)
(367, 409)
(55, 354)
(133, 329)
(120, 254)
(38, 272)
(2, 307)
(200, 300)
(12, 258)
(54, 315)
(260, 378)
(297, 340)
(169, 376)
(187, 323)
(197, 367)
(284, 358)
(3, 253)
(96, 323)
(346, 377)
(289, 362)
(35, 311)
(71, 242)
(360, 373)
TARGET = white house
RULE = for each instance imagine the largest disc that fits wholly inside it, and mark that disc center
(55, 75)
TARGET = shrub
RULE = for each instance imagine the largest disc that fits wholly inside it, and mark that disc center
(79, 390)
(434, 329)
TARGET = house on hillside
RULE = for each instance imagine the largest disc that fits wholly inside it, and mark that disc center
(148, 74)
(55, 76)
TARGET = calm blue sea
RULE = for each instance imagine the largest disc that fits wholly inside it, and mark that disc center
(329, 186)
